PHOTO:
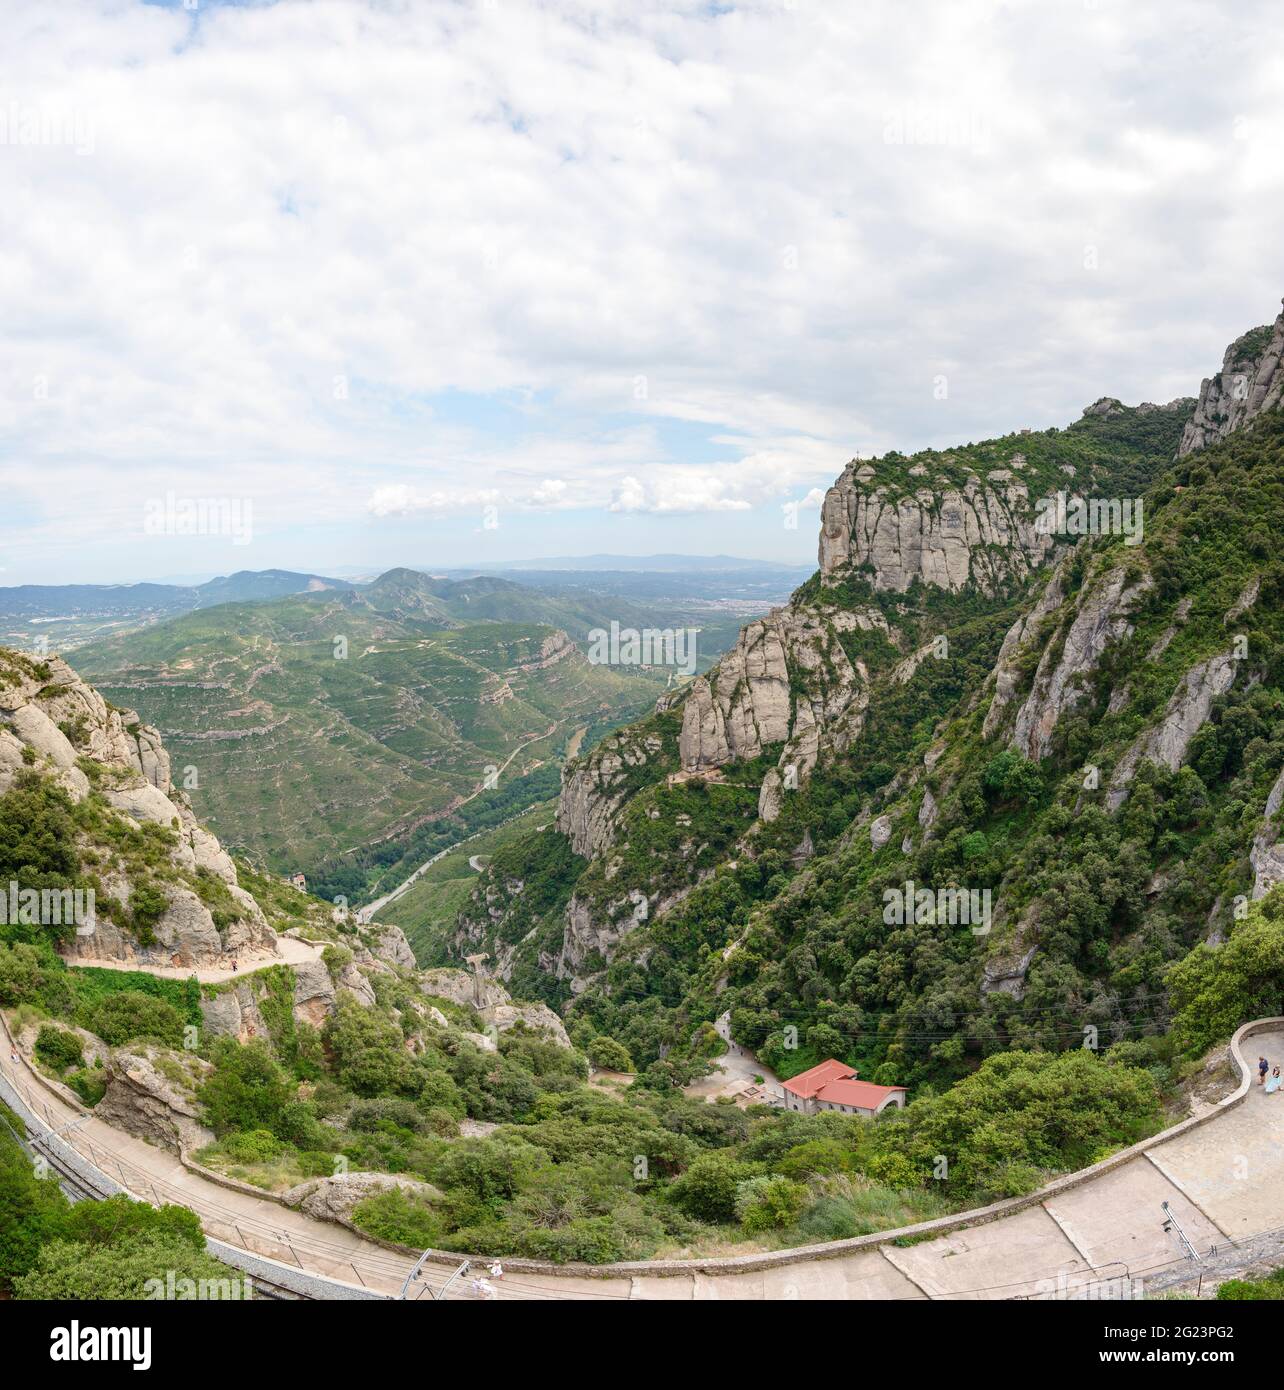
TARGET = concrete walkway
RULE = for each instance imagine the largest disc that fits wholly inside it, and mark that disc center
(1222, 1180)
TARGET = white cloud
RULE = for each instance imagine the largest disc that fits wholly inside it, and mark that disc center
(354, 259)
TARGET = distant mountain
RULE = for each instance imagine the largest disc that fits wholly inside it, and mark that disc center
(85, 611)
(662, 563)
(67, 600)
(345, 730)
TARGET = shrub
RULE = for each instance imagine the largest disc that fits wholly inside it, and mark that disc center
(57, 1048)
(401, 1217)
(132, 1014)
(608, 1055)
(707, 1190)
(68, 1271)
(253, 1146)
(766, 1202)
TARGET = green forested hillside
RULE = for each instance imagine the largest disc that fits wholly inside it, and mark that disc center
(321, 725)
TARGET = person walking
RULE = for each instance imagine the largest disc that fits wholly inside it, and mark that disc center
(1263, 1066)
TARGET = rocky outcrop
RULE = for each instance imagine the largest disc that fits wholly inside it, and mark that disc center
(502, 1017)
(335, 1198)
(1006, 974)
(595, 787)
(1103, 615)
(983, 534)
(461, 987)
(1267, 854)
(152, 1093)
(388, 944)
(788, 680)
(185, 936)
(1251, 380)
(1006, 670)
(557, 646)
(53, 721)
(1184, 715)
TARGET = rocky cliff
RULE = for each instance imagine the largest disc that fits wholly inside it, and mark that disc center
(1251, 380)
(982, 533)
(137, 829)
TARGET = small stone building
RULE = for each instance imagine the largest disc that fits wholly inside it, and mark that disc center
(833, 1085)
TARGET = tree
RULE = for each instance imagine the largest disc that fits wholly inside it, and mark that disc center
(608, 1055)
(707, 1190)
(33, 1210)
(58, 1048)
(248, 1090)
(69, 1271)
(1213, 991)
(368, 1050)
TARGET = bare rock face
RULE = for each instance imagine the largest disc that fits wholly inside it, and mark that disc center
(460, 987)
(49, 714)
(1250, 381)
(335, 1198)
(1006, 674)
(233, 1013)
(880, 832)
(1102, 617)
(1184, 715)
(983, 534)
(595, 787)
(502, 1017)
(152, 1093)
(1267, 854)
(386, 943)
(787, 681)
(314, 993)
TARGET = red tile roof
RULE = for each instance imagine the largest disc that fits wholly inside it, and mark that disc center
(807, 1083)
(833, 1082)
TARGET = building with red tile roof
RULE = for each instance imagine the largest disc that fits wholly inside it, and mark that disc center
(833, 1085)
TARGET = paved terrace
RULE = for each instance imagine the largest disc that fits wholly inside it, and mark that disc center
(1221, 1174)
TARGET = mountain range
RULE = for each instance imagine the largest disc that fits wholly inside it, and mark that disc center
(975, 700)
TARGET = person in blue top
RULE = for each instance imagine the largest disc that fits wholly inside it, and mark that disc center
(1273, 1084)
(1263, 1066)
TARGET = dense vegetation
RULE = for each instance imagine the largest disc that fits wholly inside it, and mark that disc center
(52, 1249)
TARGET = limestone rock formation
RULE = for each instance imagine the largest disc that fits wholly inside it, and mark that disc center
(152, 1093)
(595, 787)
(64, 726)
(1267, 854)
(461, 987)
(1006, 673)
(982, 534)
(335, 1198)
(1184, 715)
(502, 1017)
(1102, 617)
(788, 680)
(1250, 381)
(386, 943)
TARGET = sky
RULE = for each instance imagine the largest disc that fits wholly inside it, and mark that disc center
(355, 283)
